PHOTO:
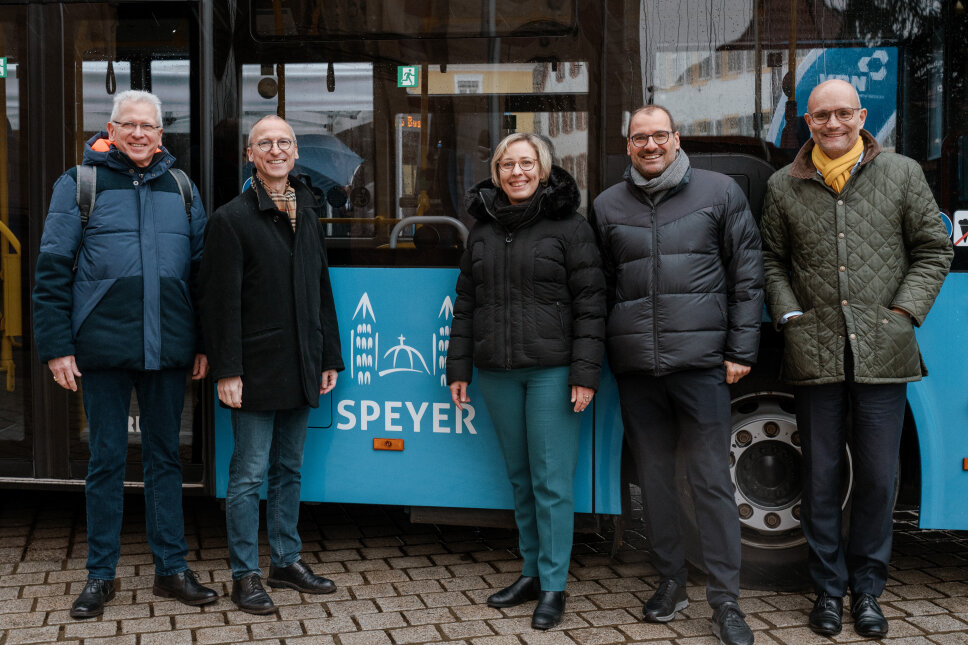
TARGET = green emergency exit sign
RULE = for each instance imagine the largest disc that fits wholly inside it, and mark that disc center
(408, 76)
(3, 67)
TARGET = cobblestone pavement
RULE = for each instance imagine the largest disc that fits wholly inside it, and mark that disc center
(406, 583)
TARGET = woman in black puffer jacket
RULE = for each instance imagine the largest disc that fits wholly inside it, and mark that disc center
(530, 315)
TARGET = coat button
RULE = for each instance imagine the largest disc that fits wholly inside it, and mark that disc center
(884, 320)
(843, 302)
(843, 268)
(853, 336)
(840, 202)
(135, 182)
(840, 235)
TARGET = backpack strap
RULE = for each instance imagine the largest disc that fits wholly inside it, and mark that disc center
(185, 188)
(86, 194)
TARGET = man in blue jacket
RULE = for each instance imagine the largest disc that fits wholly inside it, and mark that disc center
(684, 286)
(113, 301)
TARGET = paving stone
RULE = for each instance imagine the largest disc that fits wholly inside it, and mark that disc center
(380, 576)
(547, 638)
(418, 634)
(180, 637)
(15, 621)
(91, 629)
(141, 625)
(615, 600)
(418, 586)
(445, 599)
(917, 607)
(375, 637)
(226, 634)
(15, 606)
(399, 603)
(374, 591)
(319, 639)
(466, 629)
(597, 636)
(939, 623)
(385, 620)
(958, 638)
(351, 607)
(332, 625)
(428, 616)
(194, 621)
(641, 631)
(31, 635)
(496, 640)
(277, 629)
(428, 573)
(129, 639)
(465, 583)
(608, 617)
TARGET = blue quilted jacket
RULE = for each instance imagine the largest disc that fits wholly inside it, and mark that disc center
(130, 303)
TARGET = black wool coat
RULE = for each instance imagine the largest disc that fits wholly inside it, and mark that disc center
(267, 304)
(532, 296)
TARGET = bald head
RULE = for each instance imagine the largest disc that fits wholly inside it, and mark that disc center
(271, 119)
(841, 90)
(835, 117)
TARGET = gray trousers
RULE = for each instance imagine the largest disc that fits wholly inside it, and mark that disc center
(687, 411)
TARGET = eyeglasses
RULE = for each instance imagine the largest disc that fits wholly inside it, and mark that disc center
(128, 126)
(266, 144)
(843, 115)
(660, 137)
(508, 165)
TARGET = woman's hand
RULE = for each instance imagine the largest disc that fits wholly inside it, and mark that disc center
(458, 393)
(581, 397)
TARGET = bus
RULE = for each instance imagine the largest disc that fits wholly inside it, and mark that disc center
(396, 107)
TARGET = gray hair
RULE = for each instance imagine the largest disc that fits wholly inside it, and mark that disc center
(540, 146)
(135, 96)
(269, 117)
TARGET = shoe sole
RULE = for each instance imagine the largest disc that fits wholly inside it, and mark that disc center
(276, 584)
(97, 612)
(164, 593)
(546, 627)
(258, 611)
(825, 632)
(504, 605)
(665, 619)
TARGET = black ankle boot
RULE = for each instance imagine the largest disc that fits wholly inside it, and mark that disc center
(550, 610)
(521, 590)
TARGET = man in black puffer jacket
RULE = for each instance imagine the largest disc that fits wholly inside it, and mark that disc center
(684, 281)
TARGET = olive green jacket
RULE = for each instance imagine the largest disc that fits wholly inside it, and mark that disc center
(846, 259)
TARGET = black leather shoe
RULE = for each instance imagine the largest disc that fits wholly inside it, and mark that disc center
(729, 624)
(869, 620)
(184, 587)
(93, 596)
(301, 578)
(521, 590)
(826, 615)
(550, 609)
(249, 596)
(669, 598)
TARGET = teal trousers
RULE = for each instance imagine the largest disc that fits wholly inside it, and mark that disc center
(538, 431)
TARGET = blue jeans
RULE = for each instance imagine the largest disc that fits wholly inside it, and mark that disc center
(538, 431)
(107, 400)
(270, 441)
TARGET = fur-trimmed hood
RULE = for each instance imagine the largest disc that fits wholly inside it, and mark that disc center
(559, 197)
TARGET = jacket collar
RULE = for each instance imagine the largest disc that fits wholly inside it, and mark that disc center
(804, 168)
(643, 197)
(559, 199)
(100, 151)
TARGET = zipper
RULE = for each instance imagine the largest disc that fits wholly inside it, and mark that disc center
(507, 301)
(561, 320)
(655, 295)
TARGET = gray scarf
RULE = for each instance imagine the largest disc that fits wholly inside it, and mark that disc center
(656, 187)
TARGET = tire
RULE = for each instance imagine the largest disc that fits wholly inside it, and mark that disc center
(765, 466)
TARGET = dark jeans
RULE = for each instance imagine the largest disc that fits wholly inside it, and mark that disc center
(877, 415)
(265, 441)
(687, 411)
(107, 400)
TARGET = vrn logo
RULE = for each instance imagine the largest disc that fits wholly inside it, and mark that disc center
(873, 68)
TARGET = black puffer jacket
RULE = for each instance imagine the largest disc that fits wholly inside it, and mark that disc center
(532, 296)
(685, 277)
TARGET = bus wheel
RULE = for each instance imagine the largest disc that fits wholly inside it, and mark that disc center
(764, 463)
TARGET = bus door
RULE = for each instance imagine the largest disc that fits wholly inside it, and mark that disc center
(92, 51)
(415, 123)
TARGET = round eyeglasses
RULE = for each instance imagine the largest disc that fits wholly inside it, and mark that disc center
(508, 165)
(660, 137)
(266, 144)
(843, 115)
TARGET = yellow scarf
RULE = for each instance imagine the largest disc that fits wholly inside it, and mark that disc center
(836, 172)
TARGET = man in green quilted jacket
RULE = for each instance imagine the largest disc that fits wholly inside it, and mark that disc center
(854, 254)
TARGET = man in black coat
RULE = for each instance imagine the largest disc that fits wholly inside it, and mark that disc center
(684, 284)
(269, 317)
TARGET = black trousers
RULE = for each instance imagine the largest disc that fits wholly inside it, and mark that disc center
(688, 411)
(877, 417)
